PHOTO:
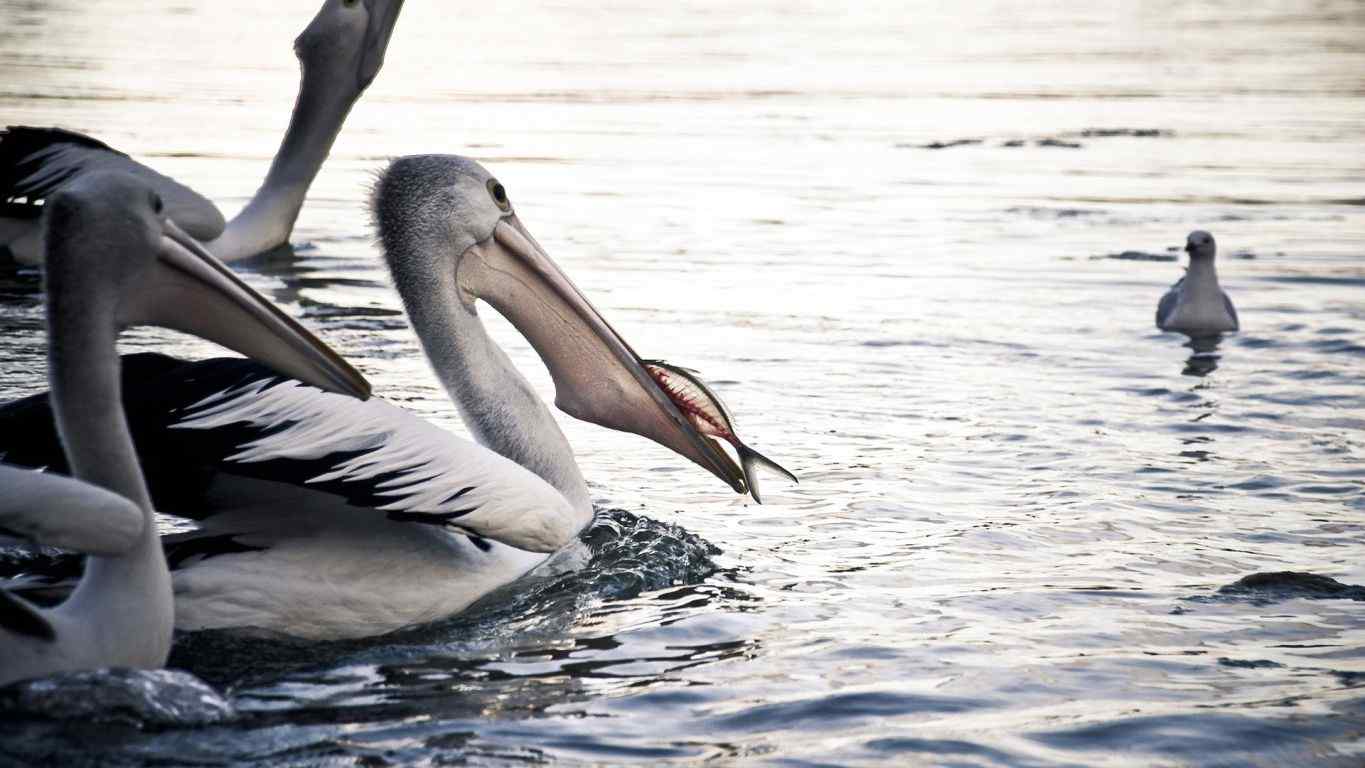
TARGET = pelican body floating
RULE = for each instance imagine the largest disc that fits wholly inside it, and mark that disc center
(710, 416)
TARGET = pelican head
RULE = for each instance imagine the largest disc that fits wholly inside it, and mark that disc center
(348, 36)
(449, 227)
(1200, 245)
(116, 260)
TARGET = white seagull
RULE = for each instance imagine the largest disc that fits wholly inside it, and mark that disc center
(115, 260)
(325, 517)
(340, 52)
(1196, 306)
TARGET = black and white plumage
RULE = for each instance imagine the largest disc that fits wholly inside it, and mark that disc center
(340, 52)
(326, 518)
(1196, 305)
(114, 259)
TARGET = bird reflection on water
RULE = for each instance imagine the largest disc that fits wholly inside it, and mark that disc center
(1204, 357)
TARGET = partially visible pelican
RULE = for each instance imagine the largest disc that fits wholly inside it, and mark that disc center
(325, 517)
(340, 52)
(1196, 306)
(114, 260)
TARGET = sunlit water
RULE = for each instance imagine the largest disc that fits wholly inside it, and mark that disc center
(1018, 500)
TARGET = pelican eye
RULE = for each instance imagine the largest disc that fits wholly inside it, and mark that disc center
(157, 205)
(499, 195)
(349, 3)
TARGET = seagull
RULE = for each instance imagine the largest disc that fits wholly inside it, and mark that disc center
(115, 260)
(339, 52)
(324, 517)
(1196, 305)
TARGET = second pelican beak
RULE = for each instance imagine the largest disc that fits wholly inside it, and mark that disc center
(383, 16)
(189, 290)
(598, 377)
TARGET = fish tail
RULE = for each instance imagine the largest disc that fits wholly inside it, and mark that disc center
(749, 458)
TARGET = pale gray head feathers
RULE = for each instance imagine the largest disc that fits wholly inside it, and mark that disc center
(428, 207)
(1200, 245)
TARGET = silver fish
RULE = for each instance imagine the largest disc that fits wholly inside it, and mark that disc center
(710, 416)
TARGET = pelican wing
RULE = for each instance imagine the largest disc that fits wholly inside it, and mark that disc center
(200, 426)
(63, 512)
(35, 162)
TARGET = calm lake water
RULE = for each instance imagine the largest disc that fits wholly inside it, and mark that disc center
(1018, 501)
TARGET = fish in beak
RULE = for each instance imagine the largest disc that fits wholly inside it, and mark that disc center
(189, 290)
(598, 377)
(710, 416)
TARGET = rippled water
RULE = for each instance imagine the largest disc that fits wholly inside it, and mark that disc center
(1019, 502)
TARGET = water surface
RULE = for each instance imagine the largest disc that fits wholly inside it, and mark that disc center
(1018, 502)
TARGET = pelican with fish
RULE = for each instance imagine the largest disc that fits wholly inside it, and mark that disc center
(324, 517)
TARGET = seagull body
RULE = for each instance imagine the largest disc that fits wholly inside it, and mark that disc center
(1196, 305)
(340, 52)
(114, 259)
(324, 517)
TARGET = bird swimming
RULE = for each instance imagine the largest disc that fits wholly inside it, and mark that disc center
(1196, 305)
(116, 260)
(340, 52)
(324, 517)
(710, 416)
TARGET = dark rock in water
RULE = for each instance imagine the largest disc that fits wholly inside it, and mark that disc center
(161, 698)
(1137, 256)
(1050, 142)
(1284, 585)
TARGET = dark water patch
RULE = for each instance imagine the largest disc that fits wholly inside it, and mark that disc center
(839, 711)
(1209, 739)
(1137, 133)
(1337, 346)
(938, 752)
(1353, 282)
(1312, 375)
(1340, 489)
(1137, 256)
(942, 144)
(1249, 663)
(882, 343)
(161, 698)
(1349, 678)
(1059, 143)
(1046, 212)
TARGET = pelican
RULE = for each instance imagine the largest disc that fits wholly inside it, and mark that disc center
(339, 52)
(323, 517)
(1196, 306)
(114, 260)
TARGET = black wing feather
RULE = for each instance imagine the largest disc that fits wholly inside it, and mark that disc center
(36, 162)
